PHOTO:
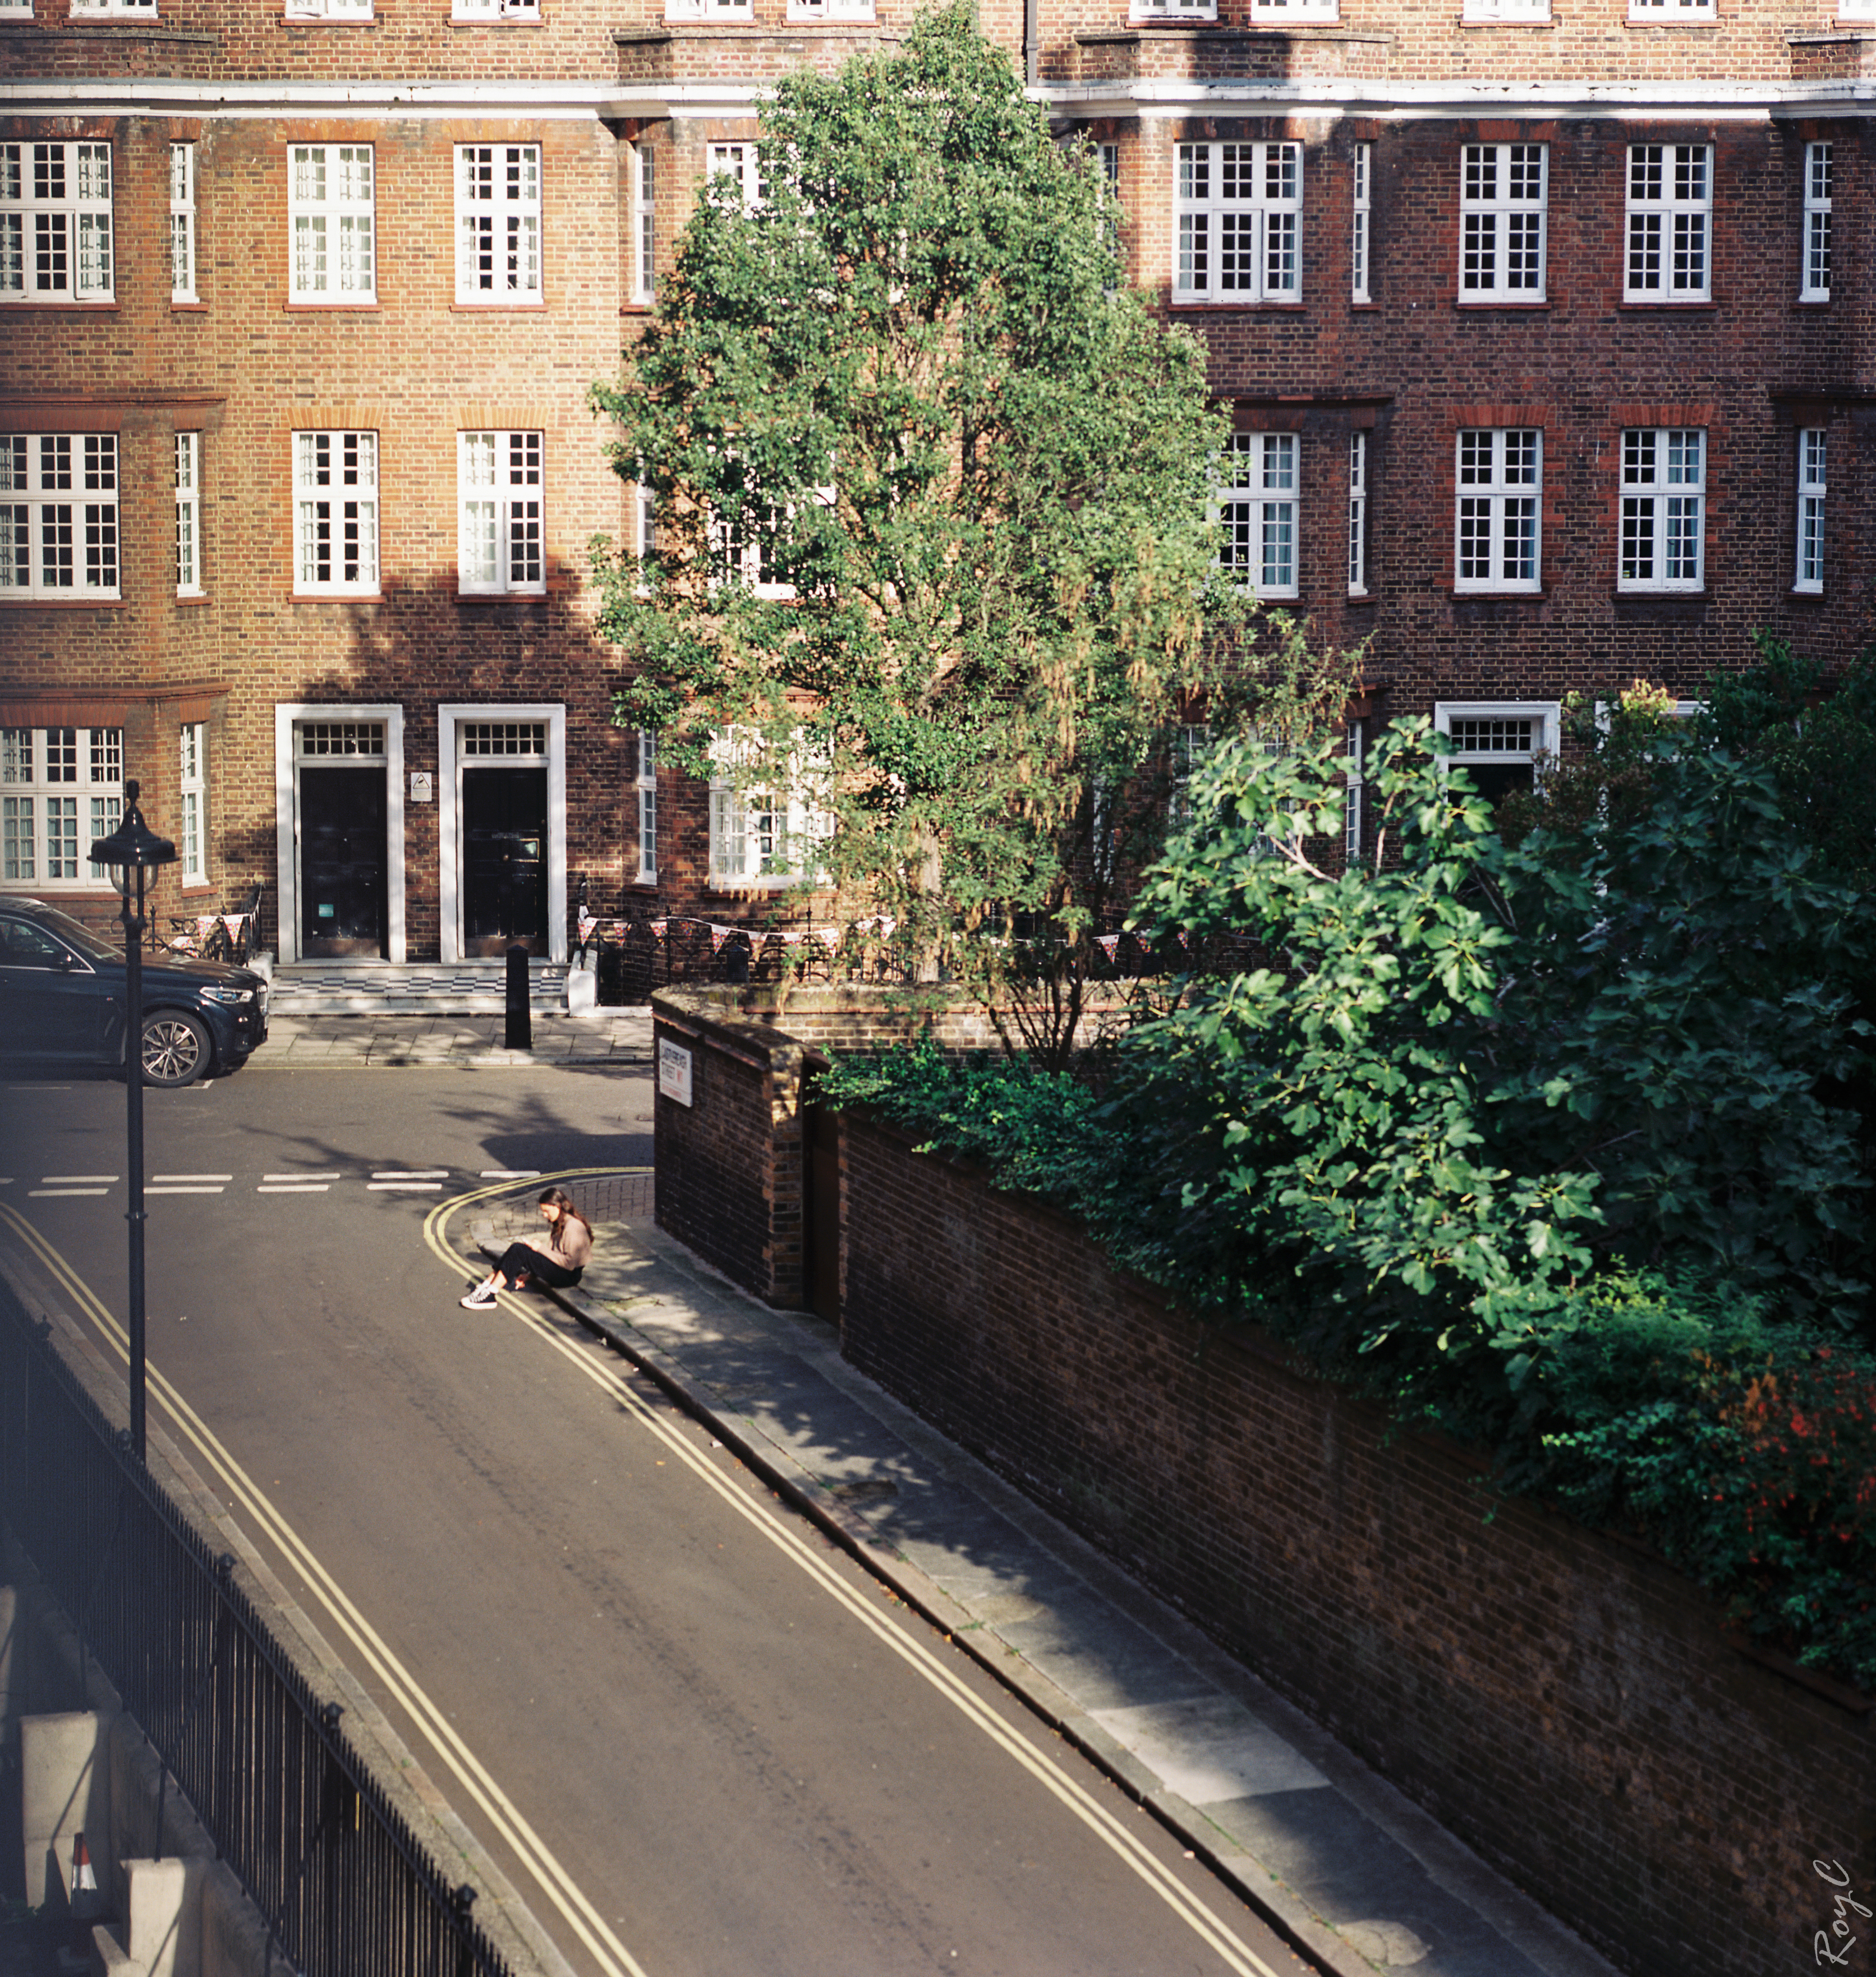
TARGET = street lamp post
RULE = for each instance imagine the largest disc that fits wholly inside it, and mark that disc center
(133, 849)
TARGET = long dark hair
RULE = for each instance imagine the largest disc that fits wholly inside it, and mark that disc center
(562, 1203)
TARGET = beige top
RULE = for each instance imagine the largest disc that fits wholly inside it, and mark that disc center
(570, 1245)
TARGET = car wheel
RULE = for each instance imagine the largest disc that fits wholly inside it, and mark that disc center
(176, 1049)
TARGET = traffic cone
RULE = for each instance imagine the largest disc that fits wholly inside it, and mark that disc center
(85, 1902)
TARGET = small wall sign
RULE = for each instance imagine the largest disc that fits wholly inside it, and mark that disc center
(674, 1071)
(423, 786)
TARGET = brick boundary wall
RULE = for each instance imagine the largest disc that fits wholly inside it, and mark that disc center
(1560, 1698)
(731, 1181)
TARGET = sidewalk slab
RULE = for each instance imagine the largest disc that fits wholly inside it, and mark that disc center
(621, 1038)
(1357, 1878)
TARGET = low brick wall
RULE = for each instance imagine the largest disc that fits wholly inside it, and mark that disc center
(1563, 1701)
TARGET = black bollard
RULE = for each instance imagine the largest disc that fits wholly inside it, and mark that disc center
(520, 1035)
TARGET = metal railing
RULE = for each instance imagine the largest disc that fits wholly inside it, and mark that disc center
(345, 1887)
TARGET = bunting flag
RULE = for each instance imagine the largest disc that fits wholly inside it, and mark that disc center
(658, 928)
(1185, 939)
(792, 939)
(718, 935)
(233, 923)
(1108, 943)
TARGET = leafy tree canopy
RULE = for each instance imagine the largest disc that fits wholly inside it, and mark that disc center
(931, 488)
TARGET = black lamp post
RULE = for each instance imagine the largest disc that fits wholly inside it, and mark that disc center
(133, 849)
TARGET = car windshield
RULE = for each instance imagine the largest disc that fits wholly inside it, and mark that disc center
(68, 930)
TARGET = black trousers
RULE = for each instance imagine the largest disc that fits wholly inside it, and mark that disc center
(518, 1260)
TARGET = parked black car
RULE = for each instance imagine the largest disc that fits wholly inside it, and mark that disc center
(62, 1000)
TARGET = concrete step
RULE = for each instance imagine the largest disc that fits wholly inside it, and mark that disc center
(417, 988)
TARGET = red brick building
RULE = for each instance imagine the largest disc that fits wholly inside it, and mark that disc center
(1547, 329)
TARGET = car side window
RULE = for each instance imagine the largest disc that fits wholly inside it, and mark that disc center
(23, 944)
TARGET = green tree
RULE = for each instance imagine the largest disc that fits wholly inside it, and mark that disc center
(931, 493)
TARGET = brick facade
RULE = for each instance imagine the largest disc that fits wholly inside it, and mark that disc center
(1561, 1700)
(599, 89)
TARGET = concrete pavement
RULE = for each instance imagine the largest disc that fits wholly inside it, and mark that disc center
(619, 1036)
(1357, 1876)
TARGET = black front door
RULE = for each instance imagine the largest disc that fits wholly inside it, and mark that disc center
(504, 859)
(343, 895)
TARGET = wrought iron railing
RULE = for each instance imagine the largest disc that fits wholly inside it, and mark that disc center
(345, 1887)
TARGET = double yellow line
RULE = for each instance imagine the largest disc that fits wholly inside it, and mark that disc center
(611, 1955)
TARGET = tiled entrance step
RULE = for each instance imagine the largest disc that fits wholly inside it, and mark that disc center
(416, 988)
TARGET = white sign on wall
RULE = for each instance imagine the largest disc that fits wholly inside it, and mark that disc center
(423, 788)
(674, 1071)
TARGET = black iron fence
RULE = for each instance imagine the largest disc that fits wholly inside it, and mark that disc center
(345, 1888)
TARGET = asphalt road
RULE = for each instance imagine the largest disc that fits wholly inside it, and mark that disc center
(700, 1741)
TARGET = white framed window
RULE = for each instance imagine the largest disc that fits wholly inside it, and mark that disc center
(1814, 281)
(182, 222)
(329, 10)
(1657, 12)
(1505, 744)
(1361, 228)
(55, 223)
(336, 514)
(498, 222)
(742, 163)
(1499, 512)
(1357, 514)
(1240, 222)
(1173, 10)
(829, 10)
(646, 783)
(496, 10)
(58, 515)
(644, 524)
(331, 204)
(188, 514)
(709, 10)
(1280, 13)
(1504, 13)
(1257, 510)
(1355, 753)
(498, 494)
(134, 10)
(1670, 217)
(61, 789)
(1813, 485)
(765, 829)
(1503, 197)
(645, 216)
(192, 788)
(1664, 508)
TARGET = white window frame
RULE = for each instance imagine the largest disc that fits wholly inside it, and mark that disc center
(1256, 508)
(1213, 259)
(644, 226)
(128, 10)
(830, 10)
(1498, 214)
(1495, 485)
(328, 10)
(1360, 222)
(1659, 497)
(1354, 755)
(1504, 13)
(61, 781)
(1656, 13)
(319, 483)
(496, 10)
(498, 230)
(193, 811)
(182, 223)
(1172, 10)
(709, 10)
(1668, 224)
(739, 159)
(189, 514)
(761, 839)
(500, 544)
(1545, 717)
(1282, 13)
(645, 783)
(56, 224)
(1358, 512)
(332, 225)
(1813, 489)
(71, 548)
(1814, 274)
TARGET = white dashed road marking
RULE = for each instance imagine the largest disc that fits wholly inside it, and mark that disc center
(510, 1173)
(74, 1180)
(38, 1193)
(188, 1183)
(419, 1180)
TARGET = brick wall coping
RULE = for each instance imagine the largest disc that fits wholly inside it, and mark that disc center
(698, 1014)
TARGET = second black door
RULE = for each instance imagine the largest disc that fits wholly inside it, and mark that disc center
(342, 861)
(504, 859)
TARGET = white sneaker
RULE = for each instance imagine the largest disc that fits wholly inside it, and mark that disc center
(481, 1298)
